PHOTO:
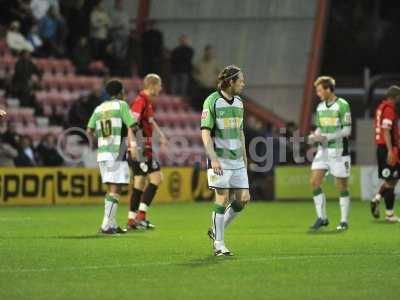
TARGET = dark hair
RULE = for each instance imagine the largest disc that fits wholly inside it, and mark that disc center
(393, 92)
(114, 88)
(229, 73)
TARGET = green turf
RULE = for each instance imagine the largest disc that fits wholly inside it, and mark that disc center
(54, 253)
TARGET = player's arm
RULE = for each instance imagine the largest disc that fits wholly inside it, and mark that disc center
(163, 137)
(129, 120)
(243, 140)
(90, 130)
(3, 113)
(387, 134)
(207, 124)
(209, 146)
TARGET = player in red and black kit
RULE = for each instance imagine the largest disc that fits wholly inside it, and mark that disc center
(387, 141)
(147, 166)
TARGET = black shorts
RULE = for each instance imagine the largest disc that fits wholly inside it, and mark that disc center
(385, 171)
(143, 168)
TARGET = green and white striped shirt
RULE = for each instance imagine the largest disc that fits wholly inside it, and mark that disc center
(225, 120)
(330, 119)
(110, 121)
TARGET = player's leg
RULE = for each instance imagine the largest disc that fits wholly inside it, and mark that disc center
(217, 216)
(344, 201)
(316, 178)
(242, 197)
(240, 181)
(155, 180)
(376, 201)
(111, 201)
(389, 174)
(389, 197)
(340, 167)
(136, 196)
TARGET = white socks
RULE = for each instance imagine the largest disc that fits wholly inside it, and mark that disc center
(218, 223)
(110, 212)
(229, 215)
(320, 204)
(344, 202)
(143, 207)
(132, 215)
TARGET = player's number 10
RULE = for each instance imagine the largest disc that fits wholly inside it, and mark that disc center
(106, 127)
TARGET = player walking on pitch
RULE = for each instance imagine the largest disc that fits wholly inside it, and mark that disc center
(224, 142)
(146, 165)
(111, 122)
(387, 152)
(333, 121)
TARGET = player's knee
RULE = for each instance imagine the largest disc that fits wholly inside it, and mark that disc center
(315, 183)
(156, 178)
(245, 198)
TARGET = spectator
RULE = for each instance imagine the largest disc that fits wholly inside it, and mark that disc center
(16, 41)
(47, 152)
(134, 53)
(119, 21)
(26, 77)
(35, 40)
(26, 153)
(100, 23)
(7, 152)
(152, 49)
(20, 10)
(82, 57)
(78, 23)
(181, 67)
(52, 30)
(10, 135)
(40, 8)
(80, 112)
(205, 74)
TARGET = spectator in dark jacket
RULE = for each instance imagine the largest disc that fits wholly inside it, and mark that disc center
(181, 67)
(24, 79)
(26, 153)
(10, 136)
(152, 49)
(82, 56)
(47, 152)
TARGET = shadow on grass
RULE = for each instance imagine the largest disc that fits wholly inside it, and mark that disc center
(73, 237)
(325, 232)
(384, 222)
(207, 261)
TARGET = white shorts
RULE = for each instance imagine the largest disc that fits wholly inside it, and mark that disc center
(114, 172)
(230, 179)
(337, 165)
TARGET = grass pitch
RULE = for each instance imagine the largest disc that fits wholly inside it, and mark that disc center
(54, 253)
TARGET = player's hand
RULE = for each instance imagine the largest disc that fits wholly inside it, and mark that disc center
(163, 143)
(216, 166)
(3, 113)
(133, 152)
(393, 157)
(319, 138)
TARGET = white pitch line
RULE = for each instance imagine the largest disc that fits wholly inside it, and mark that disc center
(199, 262)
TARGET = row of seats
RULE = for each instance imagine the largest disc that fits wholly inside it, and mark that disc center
(61, 87)
(74, 82)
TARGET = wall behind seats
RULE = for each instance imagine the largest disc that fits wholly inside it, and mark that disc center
(270, 39)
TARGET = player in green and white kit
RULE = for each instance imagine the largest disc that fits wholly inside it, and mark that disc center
(223, 139)
(333, 121)
(111, 122)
